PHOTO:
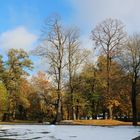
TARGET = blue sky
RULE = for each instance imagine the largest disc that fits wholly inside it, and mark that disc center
(30, 13)
(21, 20)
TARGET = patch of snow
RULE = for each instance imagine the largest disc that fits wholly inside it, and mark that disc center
(68, 132)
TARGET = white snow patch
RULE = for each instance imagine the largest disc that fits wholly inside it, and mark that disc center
(68, 132)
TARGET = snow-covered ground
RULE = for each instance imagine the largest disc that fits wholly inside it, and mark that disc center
(68, 132)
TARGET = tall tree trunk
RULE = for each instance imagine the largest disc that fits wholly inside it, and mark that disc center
(110, 112)
(59, 90)
(108, 82)
(68, 112)
(73, 113)
(108, 75)
(73, 117)
(104, 113)
(133, 100)
(58, 112)
(77, 110)
(14, 114)
(93, 110)
(73, 106)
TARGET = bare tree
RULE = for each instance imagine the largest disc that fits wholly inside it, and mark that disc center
(76, 57)
(53, 49)
(131, 61)
(109, 35)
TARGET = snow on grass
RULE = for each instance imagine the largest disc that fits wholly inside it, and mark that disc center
(68, 132)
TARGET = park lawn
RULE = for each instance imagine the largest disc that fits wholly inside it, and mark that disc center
(106, 122)
(18, 122)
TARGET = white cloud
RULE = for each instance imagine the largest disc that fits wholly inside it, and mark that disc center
(17, 38)
(88, 13)
(86, 42)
